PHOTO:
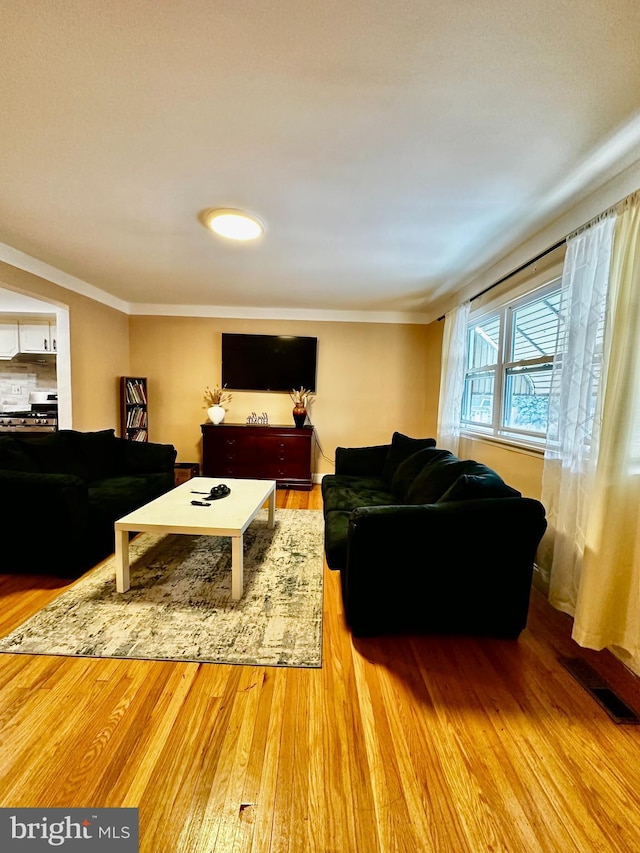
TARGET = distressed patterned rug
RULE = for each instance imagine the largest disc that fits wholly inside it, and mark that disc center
(180, 608)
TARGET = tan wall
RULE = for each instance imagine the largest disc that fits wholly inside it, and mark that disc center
(372, 379)
(99, 347)
(518, 468)
(433, 340)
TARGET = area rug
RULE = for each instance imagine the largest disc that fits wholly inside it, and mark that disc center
(180, 608)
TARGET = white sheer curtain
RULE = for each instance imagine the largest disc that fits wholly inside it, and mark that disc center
(574, 403)
(454, 354)
(591, 481)
(608, 605)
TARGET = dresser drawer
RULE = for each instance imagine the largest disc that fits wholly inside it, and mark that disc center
(258, 452)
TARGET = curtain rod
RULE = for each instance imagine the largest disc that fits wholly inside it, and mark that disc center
(517, 270)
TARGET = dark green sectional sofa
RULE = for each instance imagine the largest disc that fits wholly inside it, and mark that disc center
(60, 494)
(427, 542)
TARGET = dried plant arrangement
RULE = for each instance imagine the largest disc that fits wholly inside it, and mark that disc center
(301, 397)
(216, 396)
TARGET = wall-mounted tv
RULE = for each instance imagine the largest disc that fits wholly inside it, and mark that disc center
(268, 362)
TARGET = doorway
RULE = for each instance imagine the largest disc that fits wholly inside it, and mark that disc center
(13, 302)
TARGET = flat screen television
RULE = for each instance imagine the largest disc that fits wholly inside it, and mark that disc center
(268, 362)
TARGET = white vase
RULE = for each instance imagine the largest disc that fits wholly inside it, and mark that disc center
(216, 414)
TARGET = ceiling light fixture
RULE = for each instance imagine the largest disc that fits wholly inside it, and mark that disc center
(232, 224)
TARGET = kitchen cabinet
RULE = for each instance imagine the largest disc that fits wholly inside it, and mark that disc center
(9, 341)
(280, 453)
(37, 336)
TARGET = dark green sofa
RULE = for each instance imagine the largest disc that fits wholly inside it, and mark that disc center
(427, 542)
(60, 494)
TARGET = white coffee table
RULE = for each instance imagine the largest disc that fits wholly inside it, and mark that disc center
(174, 513)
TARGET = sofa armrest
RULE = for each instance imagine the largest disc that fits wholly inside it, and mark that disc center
(361, 461)
(45, 519)
(446, 566)
(142, 457)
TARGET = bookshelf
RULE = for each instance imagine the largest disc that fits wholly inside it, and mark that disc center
(134, 423)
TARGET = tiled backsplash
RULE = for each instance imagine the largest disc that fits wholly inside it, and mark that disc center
(17, 380)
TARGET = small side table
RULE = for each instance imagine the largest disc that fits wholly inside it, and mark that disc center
(184, 471)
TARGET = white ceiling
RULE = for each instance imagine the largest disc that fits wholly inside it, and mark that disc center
(392, 148)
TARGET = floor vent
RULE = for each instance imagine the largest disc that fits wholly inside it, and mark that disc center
(594, 684)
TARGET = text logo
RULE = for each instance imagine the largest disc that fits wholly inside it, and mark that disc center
(80, 830)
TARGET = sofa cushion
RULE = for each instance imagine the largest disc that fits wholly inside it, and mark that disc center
(156, 484)
(13, 457)
(407, 471)
(54, 453)
(88, 455)
(480, 483)
(402, 446)
(344, 492)
(434, 480)
(121, 495)
(114, 497)
(341, 481)
(141, 457)
(100, 454)
(336, 537)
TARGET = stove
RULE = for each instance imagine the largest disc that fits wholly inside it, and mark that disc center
(28, 421)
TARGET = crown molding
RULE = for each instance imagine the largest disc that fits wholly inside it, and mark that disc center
(29, 264)
(22, 261)
(607, 176)
(238, 312)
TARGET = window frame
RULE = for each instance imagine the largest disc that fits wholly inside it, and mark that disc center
(497, 430)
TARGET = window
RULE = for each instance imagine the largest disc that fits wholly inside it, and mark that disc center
(510, 353)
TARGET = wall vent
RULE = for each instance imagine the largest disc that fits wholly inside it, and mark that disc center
(594, 684)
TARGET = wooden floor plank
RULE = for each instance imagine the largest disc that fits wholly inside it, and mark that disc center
(249, 798)
(419, 744)
(318, 834)
(215, 811)
(263, 824)
(288, 809)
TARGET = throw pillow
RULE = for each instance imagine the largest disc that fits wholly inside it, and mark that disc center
(434, 480)
(407, 471)
(402, 446)
(99, 452)
(482, 483)
(361, 461)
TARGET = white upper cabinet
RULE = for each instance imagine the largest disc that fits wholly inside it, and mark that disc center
(9, 342)
(37, 336)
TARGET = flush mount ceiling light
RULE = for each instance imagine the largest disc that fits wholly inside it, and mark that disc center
(232, 224)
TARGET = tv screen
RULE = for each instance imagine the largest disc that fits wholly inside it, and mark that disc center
(268, 362)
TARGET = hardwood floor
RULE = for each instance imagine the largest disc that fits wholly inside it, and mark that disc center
(417, 744)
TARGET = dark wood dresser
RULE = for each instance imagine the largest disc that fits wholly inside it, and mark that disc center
(246, 451)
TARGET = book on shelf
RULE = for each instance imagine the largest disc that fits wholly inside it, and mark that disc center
(137, 417)
(136, 391)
